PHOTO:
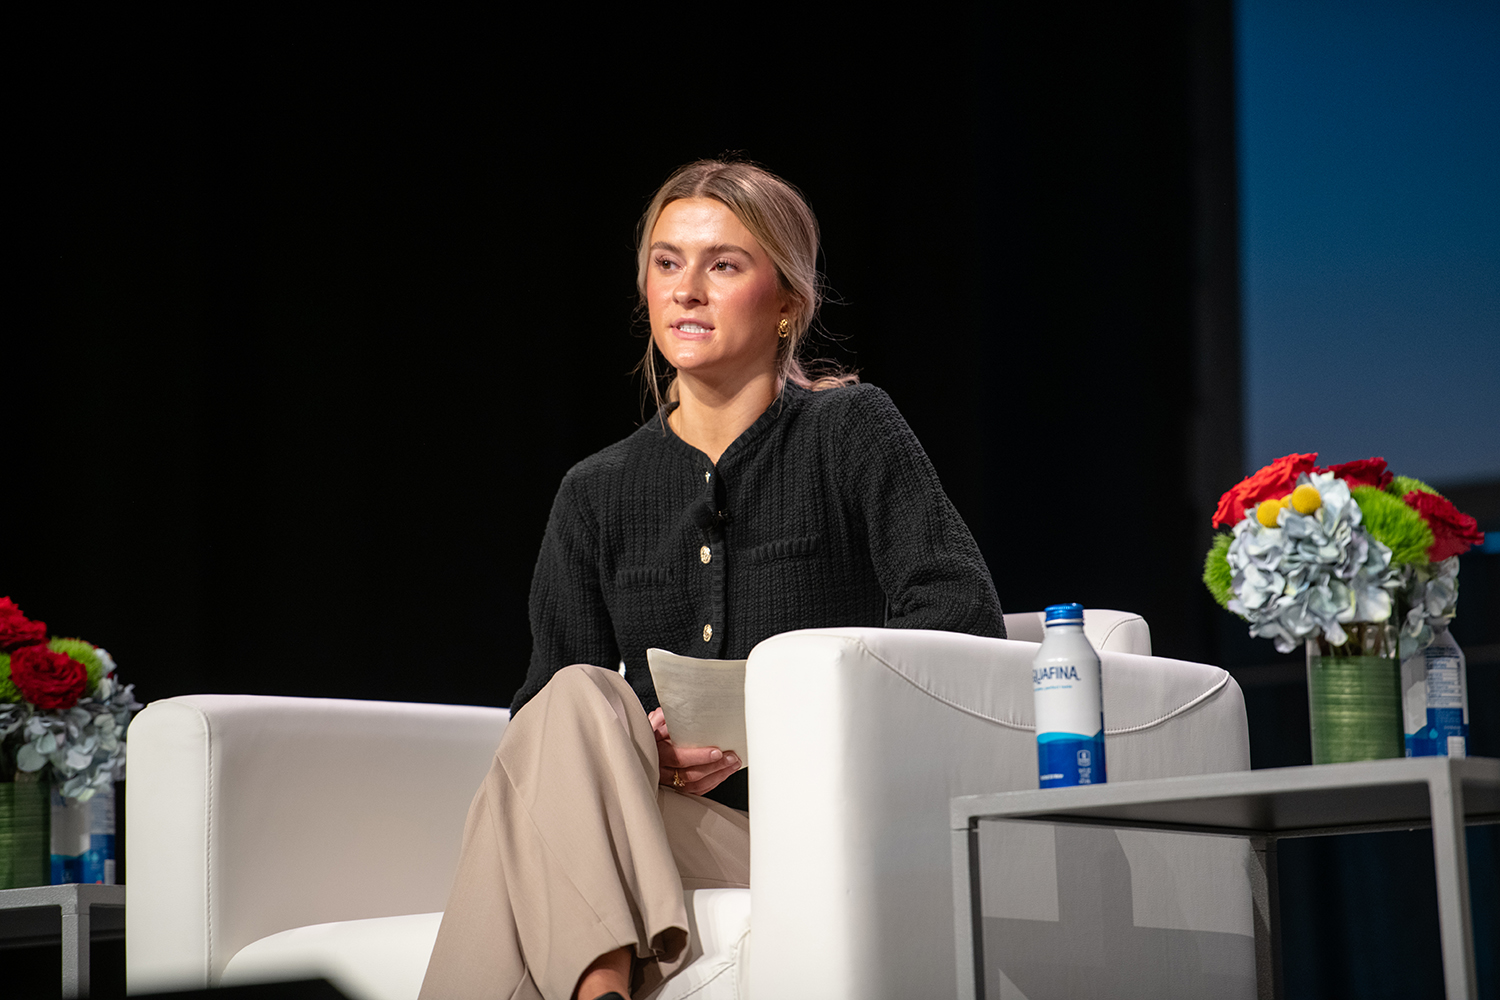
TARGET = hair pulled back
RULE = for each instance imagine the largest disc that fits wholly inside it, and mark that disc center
(779, 218)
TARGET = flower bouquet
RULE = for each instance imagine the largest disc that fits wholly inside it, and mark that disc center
(1356, 563)
(63, 716)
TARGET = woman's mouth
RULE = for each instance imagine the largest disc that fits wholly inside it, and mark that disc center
(692, 328)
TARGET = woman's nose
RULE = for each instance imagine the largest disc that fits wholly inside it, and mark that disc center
(690, 289)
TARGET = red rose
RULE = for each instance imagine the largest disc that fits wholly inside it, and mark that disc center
(1275, 480)
(1365, 472)
(47, 679)
(16, 630)
(1452, 532)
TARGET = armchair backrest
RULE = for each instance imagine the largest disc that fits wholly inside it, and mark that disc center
(1117, 631)
(249, 815)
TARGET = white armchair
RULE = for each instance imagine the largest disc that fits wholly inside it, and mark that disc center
(279, 838)
(256, 826)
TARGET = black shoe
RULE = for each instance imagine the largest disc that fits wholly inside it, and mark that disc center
(611, 995)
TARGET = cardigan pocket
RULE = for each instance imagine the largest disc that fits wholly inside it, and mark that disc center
(643, 576)
(781, 549)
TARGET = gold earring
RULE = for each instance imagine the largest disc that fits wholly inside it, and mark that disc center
(784, 330)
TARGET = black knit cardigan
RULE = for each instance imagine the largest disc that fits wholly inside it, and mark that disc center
(824, 512)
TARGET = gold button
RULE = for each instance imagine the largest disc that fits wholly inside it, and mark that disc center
(704, 555)
(708, 632)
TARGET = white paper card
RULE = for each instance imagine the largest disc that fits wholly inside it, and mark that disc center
(703, 700)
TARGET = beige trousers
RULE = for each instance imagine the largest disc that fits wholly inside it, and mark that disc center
(572, 850)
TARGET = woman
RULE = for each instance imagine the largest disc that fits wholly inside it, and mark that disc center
(756, 501)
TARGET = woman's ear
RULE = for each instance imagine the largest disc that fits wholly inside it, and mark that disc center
(791, 305)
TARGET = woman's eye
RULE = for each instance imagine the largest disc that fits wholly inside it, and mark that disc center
(664, 263)
(723, 265)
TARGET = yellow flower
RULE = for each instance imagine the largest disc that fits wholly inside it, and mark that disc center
(1306, 499)
(1267, 511)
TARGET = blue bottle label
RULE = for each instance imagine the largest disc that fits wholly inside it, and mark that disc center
(1445, 735)
(1065, 759)
(95, 866)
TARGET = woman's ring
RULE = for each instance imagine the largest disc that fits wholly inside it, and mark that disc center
(677, 781)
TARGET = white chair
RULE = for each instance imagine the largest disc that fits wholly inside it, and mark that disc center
(280, 838)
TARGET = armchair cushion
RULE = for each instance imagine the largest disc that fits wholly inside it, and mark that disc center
(381, 958)
(385, 958)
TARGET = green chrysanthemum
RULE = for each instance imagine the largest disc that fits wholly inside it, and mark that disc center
(1402, 485)
(8, 692)
(84, 653)
(1217, 575)
(1394, 524)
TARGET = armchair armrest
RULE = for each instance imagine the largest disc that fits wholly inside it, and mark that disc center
(860, 739)
(250, 815)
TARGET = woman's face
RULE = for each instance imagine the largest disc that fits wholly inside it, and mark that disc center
(713, 294)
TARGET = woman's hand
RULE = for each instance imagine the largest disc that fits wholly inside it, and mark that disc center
(701, 768)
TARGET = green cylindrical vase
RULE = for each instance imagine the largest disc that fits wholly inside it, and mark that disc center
(25, 832)
(1354, 695)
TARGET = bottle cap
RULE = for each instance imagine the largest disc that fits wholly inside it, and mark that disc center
(1065, 614)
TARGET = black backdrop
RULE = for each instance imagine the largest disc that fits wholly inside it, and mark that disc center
(320, 318)
(311, 317)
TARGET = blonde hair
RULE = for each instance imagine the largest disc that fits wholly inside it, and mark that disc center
(782, 223)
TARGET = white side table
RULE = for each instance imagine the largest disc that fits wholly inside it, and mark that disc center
(1264, 806)
(75, 902)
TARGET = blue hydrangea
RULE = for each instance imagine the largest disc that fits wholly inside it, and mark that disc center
(1430, 592)
(1311, 573)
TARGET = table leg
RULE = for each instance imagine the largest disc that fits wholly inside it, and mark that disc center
(966, 911)
(1450, 856)
(75, 950)
(1265, 890)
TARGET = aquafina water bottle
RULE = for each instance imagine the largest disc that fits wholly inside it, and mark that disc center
(1069, 699)
(1436, 699)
